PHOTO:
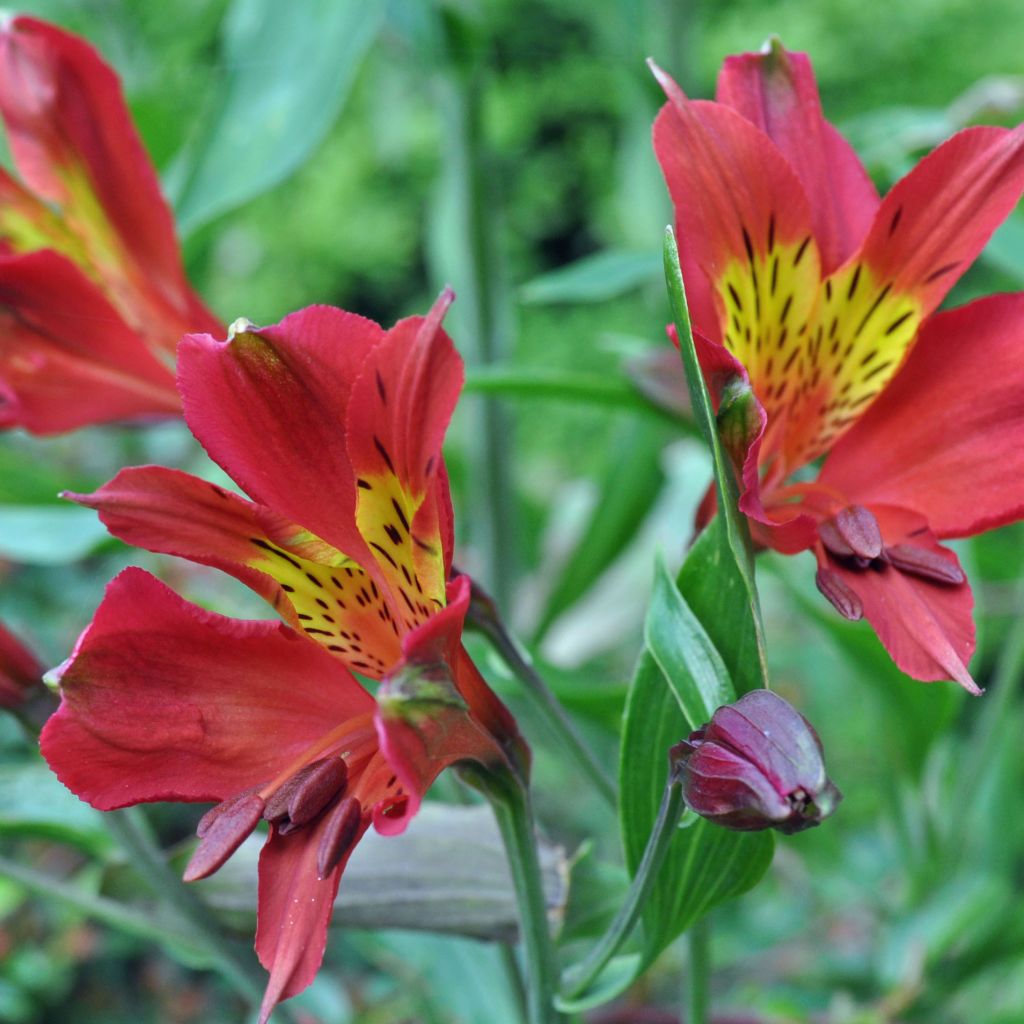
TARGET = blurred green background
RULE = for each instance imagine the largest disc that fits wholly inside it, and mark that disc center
(366, 153)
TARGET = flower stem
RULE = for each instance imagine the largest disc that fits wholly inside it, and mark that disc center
(579, 977)
(483, 615)
(699, 945)
(511, 805)
(133, 833)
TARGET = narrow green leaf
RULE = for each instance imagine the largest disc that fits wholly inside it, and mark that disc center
(720, 600)
(628, 491)
(688, 660)
(604, 275)
(707, 864)
(288, 71)
(733, 561)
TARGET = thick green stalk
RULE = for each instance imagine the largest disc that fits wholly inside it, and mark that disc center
(515, 821)
(698, 1001)
(579, 978)
(484, 616)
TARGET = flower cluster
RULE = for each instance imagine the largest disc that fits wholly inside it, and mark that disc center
(865, 426)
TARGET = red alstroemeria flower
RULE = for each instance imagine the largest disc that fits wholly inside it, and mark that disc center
(93, 296)
(800, 277)
(334, 427)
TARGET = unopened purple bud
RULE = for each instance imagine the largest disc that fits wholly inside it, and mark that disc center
(757, 764)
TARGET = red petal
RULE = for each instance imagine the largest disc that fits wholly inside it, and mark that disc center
(926, 627)
(776, 90)
(270, 406)
(67, 359)
(307, 582)
(165, 701)
(725, 176)
(295, 907)
(935, 221)
(74, 143)
(172, 512)
(20, 671)
(946, 438)
(397, 417)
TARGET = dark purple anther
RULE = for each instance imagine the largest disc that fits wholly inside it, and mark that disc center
(223, 829)
(841, 596)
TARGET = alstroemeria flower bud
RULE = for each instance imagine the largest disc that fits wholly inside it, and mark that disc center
(757, 764)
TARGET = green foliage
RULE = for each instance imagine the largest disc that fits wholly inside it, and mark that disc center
(286, 73)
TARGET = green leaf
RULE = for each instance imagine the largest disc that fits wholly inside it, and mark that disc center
(595, 278)
(34, 803)
(617, 976)
(706, 864)
(726, 560)
(687, 658)
(720, 599)
(288, 71)
(630, 487)
(49, 535)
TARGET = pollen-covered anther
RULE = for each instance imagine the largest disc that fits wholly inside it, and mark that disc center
(222, 830)
(340, 832)
(841, 596)
(928, 565)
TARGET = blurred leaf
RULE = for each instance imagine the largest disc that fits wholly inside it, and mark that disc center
(688, 660)
(465, 981)
(49, 535)
(914, 713)
(627, 493)
(288, 70)
(544, 383)
(27, 479)
(706, 864)
(604, 275)
(1005, 249)
(717, 578)
(33, 803)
